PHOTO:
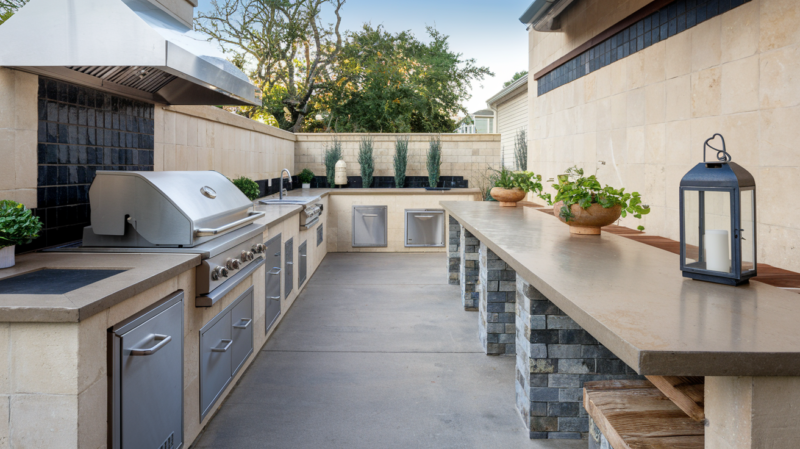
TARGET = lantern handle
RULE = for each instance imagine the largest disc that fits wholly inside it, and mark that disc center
(722, 155)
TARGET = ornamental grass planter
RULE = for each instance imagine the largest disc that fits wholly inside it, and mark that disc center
(588, 221)
(507, 197)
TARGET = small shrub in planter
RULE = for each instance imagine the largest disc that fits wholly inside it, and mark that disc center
(434, 162)
(333, 154)
(18, 226)
(511, 187)
(306, 176)
(247, 186)
(400, 161)
(366, 160)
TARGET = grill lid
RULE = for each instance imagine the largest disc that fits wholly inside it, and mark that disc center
(182, 208)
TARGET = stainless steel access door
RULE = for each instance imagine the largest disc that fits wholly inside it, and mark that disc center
(302, 269)
(369, 226)
(424, 227)
(147, 378)
(288, 270)
(273, 289)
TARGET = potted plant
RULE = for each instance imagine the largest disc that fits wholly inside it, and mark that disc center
(18, 226)
(511, 187)
(306, 176)
(400, 161)
(248, 187)
(366, 161)
(333, 154)
(586, 206)
(434, 162)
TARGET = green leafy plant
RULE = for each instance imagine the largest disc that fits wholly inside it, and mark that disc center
(18, 225)
(366, 160)
(521, 150)
(585, 191)
(525, 180)
(400, 161)
(247, 186)
(306, 176)
(434, 161)
(333, 154)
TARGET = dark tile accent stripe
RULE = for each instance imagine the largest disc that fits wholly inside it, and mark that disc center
(668, 21)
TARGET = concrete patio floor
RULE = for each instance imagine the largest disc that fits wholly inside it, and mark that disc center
(375, 353)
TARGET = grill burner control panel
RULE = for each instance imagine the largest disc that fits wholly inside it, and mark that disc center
(215, 270)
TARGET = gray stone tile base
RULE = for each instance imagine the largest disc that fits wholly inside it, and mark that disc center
(498, 295)
(555, 356)
(468, 276)
(453, 254)
(596, 438)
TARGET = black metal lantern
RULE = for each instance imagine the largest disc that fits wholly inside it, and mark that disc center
(718, 220)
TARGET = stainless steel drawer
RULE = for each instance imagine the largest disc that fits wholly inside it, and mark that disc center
(424, 227)
(147, 378)
(215, 360)
(302, 269)
(288, 269)
(242, 330)
(369, 226)
(273, 287)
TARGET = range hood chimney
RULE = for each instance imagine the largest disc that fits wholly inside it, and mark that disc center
(130, 47)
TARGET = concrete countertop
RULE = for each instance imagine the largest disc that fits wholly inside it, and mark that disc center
(143, 271)
(633, 298)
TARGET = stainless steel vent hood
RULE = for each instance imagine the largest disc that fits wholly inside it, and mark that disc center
(126, 46)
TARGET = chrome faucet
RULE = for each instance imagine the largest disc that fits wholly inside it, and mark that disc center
(281, 181)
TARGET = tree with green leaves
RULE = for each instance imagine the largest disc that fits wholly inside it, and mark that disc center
(514, 78)
(395, 83)
(9, 7)
(282, 45)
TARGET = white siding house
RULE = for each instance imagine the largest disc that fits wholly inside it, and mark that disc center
(511, 107)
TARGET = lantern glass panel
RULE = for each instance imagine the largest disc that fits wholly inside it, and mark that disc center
(748, 225)
(708, 230)
(691, 207)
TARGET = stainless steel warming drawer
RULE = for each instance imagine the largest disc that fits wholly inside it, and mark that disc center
(225, 344)
(369, 226)
(424, 227)
(273, 281)
(146, 369)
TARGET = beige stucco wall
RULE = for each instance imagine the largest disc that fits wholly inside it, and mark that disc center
(18, 126)
(466, 155)
(512, 117)
(209, 138)
(646, 116)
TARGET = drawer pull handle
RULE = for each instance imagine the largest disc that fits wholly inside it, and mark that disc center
(275, 273)
(225, 349)
(303, 255)
(369, 215)
(423, 217)
(243, 324)
(289, 263)
(162, 341)
(276, 298)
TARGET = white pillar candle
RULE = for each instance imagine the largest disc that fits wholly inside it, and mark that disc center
(717, 250)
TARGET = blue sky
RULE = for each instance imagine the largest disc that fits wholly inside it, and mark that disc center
(488, 31)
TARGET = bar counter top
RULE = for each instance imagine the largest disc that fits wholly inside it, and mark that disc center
(140, 272)
(633, 298)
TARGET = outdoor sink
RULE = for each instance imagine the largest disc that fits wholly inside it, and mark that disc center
(291, 200)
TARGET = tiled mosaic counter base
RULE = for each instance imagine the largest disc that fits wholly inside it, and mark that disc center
(453, 254)
(498, 295)
(468, 248)
(596, 438)
(555, 356)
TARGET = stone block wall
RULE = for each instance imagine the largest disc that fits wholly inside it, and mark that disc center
(453, 254)
(555, 356)
(468, 249)
(498, 295)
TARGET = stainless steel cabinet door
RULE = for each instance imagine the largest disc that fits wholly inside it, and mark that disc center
(424, 227)
(242, 330)
(288, 270)
(151, 369)
(273, 289)
(369, 226)
(215, 360)
(302, 270)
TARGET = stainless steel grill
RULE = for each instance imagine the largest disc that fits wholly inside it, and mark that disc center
(182, 212)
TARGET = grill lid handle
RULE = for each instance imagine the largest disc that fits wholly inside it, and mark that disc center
(203, 232)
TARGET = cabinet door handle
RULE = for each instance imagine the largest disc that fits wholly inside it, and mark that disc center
(225, 349)
(276, 298)
(246, 322)
(289, 263)
(162, 341)
(275, 273)
(423, 216)
(303, 255)
(369, 215)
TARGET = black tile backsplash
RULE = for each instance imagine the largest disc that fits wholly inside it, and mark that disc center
(670, 20)
(82, 130)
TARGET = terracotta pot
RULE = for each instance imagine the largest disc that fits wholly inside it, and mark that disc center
(507, 197)
(7, 257)
(588, 221)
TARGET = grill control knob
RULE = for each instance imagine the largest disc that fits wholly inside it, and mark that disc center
(219, 272)
(247, 256)
(232, 264)
(258, 248)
